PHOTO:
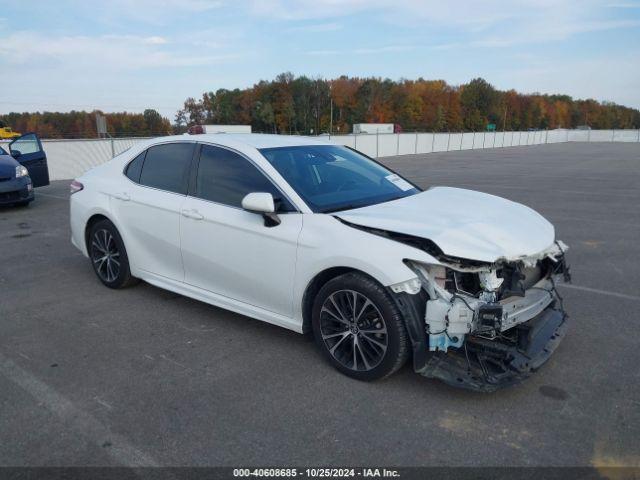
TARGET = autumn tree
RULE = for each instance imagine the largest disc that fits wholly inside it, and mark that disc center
(302, 105)
(478, 100)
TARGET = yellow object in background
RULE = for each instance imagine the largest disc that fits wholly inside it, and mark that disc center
(6, 132)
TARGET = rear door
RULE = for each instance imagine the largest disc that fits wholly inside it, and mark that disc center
(147, 205)
(28, 151)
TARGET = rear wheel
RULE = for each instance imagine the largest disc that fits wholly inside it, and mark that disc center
(108, 256)
(359, 328)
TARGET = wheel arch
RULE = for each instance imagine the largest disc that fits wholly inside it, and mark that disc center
(412, 308)
(314, 286)
(93, 219)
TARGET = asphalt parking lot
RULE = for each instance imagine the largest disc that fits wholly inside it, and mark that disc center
(90, 376)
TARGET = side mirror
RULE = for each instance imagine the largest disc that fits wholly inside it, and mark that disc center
(16, 153)
(260, 202)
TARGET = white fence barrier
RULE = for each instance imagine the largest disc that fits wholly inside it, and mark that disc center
(71, 158)
(385, 145)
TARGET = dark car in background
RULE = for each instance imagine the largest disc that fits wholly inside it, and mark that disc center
(23, 167)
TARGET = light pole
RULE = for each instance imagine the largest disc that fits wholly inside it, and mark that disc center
(504, 120)
(330, 113)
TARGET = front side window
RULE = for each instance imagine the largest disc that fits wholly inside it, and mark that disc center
(330, 178)
(26, 144)
(226, 177)
(166, 167)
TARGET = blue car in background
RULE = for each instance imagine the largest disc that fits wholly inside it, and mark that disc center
(22, 168)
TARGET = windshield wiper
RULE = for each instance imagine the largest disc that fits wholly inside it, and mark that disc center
(341, 208)
(351, 206)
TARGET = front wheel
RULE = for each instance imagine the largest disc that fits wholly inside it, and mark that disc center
(108, 256)
(358, 327)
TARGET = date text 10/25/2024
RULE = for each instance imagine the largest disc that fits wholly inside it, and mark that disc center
(316, 472)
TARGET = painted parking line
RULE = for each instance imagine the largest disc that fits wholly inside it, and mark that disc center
(51, 196)
(555, 190)
(87, 426)
(600, 292)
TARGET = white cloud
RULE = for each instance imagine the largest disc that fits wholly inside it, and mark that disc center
(605, 78)
(364, 51)
(155, 12)
(466, 12)
(551, 31)
(221, 37)
(316, 28)
(383, 49)
(90, 54)
(114, 50)
(624, 5)
(149, 8)
(155, 40)
(310, 9)
(524, 21)
(537, 34)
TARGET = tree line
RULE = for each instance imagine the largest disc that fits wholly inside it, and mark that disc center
(307, 106)
(80, 124)
(303, 105)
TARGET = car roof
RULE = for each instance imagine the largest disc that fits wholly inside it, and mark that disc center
(255, 140)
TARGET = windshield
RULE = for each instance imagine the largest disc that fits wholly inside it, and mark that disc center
(330, 178)
(2, 151)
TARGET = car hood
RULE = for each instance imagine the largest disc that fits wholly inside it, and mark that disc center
(7, 166)
(462, 223)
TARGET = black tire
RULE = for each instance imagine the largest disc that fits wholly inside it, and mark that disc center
(108, 256)
(370, 359)
(22, 204)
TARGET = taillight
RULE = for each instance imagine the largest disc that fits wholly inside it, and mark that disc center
(75, 187)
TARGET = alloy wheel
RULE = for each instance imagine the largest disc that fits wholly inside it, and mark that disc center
(105, 255)
(353, 330)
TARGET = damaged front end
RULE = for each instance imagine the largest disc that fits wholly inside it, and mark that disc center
(485, 326)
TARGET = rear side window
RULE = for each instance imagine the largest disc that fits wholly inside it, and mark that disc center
(135, 167)
(166, 167)
(226, 177)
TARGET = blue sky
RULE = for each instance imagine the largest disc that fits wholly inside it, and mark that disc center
(130, 54)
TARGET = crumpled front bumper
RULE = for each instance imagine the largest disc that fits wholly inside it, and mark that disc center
(487, 365)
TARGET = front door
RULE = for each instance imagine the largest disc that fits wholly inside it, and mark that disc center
(229, 251)
(27, 150)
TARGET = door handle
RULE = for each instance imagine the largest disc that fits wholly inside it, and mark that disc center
(193, 214)
(122, 196)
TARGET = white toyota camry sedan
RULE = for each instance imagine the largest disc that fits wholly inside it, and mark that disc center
(317, 237)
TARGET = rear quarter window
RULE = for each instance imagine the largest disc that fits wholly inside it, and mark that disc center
(134, 168)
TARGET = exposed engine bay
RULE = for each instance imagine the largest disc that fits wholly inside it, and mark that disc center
(484, 325)
(490, 326)
(488, 301)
